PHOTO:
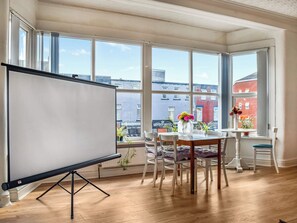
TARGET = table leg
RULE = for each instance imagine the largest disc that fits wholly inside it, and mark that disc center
(219, 163)
(237, 162)
(192, 167)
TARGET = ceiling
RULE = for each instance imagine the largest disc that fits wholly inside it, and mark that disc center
(160, 10)
(283, 7)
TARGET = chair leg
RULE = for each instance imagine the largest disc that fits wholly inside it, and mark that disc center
(155, 173)
(206, 172)
(224, 169)
(174, 178)
(274, 160)
(255, 160)
(210, 171)
(195, 176)
(181, 174)
(144, 170)
(162, 176)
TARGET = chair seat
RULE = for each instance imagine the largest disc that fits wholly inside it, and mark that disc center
(202, 153)
(153, 151)
(262, 146)
(183, 153)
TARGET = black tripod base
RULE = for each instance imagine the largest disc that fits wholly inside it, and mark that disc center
(72, 193)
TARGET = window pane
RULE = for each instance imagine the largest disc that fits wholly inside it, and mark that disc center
(43, 51)
(205, 71)
(46, 51)
(205, 109)
(248, 107)
(170, 67)
(75, 57)
(119, 64)
(128, 112)
(23, 35)
(244, 73)
(166, 107)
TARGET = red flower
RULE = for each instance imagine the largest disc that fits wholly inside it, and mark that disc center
(235, 111)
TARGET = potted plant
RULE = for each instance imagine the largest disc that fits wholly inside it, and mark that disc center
(204, 127)
(125, 160)
(246, 123)
(121, 133)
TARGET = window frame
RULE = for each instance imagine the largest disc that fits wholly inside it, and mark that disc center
(245, 94)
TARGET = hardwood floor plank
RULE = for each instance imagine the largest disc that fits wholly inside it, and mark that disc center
(261, 197)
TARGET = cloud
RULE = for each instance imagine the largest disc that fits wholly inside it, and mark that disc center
(122, 47)
(62, 50)
(79, 52)
(203, 75)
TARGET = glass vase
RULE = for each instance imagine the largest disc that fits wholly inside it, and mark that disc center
(235, 122)
(185, 127)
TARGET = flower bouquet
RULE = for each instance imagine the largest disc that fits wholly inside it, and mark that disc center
(246, 122)
(185, 124)
(235, 112)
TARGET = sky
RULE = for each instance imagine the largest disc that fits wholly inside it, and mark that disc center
(125, 61)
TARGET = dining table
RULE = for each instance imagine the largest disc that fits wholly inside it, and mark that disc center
(193, 140)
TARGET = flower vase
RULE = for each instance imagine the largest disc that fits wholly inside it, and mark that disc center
(235, 122)
(185, 127)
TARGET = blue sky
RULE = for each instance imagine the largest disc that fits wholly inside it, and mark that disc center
(124, 61)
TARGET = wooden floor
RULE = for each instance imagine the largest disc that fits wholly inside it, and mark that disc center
(261, 197)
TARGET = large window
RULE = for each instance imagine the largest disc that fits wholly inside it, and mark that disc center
(154, 83)
(121, 65)
(171, 75)
(244, 84)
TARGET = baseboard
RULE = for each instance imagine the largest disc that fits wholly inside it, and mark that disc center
(19, 193)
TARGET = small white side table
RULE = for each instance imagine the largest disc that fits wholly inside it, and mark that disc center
(237, 163)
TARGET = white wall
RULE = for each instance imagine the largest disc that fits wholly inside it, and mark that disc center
(4, 16)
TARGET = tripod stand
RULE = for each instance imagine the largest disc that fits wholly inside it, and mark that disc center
(72, 193)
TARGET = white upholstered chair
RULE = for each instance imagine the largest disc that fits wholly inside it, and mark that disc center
(153, 154)
(267, 149)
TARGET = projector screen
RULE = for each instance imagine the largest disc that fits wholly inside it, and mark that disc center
(56, 124)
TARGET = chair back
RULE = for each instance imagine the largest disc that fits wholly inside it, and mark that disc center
(169, 144)
(274, 138)
(224, 135)
(150, 142)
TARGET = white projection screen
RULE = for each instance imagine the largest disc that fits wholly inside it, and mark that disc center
(56, 124)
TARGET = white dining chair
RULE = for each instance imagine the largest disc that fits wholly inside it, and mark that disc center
(267, 149)
(153, 154)
(207, 156)
(176, 158)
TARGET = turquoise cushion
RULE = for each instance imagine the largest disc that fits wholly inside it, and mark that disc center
(262, 146)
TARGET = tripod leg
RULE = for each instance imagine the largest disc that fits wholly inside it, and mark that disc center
(91, 183)
(54, 185)
(72, 192)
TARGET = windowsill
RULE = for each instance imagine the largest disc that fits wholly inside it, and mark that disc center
(256, 137)
(132, 144)
(140, 143)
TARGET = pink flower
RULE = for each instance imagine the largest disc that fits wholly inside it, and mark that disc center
(186, 118)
